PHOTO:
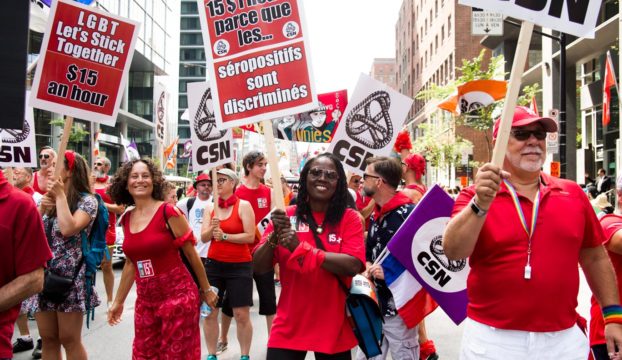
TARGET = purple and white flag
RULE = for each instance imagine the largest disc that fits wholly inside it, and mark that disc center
(418, 246)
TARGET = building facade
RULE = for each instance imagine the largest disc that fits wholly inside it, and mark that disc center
(428, 51)
(383, 70)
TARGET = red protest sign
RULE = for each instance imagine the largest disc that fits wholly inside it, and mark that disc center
(258, 59)
(85, 58)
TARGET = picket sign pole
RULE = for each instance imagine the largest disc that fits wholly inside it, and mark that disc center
(8, 171)
(522, 49)
(63, 146)
(215, 192)
(277, 189)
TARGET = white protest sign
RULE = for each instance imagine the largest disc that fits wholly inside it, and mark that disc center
(370, 123)
(160, 107)
(576, 17)
(211, 146)
(18, 147)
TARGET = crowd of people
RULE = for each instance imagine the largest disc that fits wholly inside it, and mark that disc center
(207, 248)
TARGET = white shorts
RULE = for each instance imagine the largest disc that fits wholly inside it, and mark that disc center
(483, 342)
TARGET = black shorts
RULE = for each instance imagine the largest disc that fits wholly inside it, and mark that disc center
(286, 354)
(234, 279)
(266, 292)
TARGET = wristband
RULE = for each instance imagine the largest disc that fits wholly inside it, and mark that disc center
(612, 314)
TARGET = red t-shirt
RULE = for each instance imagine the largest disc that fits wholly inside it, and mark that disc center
(611, 224)
(152, 250)
(498, 293)
(24, 248)
(111, 234)
(311, 310)
(261, 202)
(226, 251)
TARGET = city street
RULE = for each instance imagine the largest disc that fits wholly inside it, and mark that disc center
(105, 342)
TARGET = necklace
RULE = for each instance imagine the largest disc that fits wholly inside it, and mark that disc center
(319, 228)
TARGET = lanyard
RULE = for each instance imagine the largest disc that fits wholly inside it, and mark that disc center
(523, 220)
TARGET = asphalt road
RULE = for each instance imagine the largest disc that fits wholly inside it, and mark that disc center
(105, 342)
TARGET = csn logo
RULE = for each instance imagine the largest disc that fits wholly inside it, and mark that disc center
(291, 30)
(221, 47)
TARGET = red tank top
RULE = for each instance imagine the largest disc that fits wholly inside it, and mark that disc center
(151, 250)
(111, 234)
(417, 187)
(226, 251)
(35, 184)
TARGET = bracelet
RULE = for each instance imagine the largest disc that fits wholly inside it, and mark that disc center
(612, 314)
(205, 291)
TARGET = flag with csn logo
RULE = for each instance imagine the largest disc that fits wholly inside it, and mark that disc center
(418, 246)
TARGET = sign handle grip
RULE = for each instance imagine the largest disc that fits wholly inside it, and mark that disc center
(522, 49)
(63, 146)
(215, 192)
(277, 190)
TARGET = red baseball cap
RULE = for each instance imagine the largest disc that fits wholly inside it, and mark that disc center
(524, 116)
(201, 177)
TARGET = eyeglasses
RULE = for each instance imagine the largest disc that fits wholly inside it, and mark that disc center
(365, 176)
(99, 164)
(522, 135)
(330, 175)
(356, 181)
(44, 156)
(221, 181)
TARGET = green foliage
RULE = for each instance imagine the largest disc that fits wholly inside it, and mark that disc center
(438, 148)
(77, 131)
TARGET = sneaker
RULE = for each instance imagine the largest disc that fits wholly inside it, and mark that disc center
(22, 345)
(277, 283)
(36, 353)
(211, 357)
(427, 351)
(221, 347)
(245, 357)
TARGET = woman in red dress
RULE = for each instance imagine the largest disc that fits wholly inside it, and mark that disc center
(166, 320)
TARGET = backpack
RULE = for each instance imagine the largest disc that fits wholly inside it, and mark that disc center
(93, 252)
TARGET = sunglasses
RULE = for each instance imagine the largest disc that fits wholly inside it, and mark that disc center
(366, 176)
(221, 181)
(99, 164)
(44, 156)
(330, 175)
(522, 135)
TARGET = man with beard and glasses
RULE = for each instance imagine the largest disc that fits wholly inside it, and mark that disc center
(47, 160)
(524, 233)
(100, 186)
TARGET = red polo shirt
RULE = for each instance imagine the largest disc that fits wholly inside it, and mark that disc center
(498, 293)
(24, 249)
(611, 224)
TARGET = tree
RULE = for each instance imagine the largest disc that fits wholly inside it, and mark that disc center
(77, 132)
(483, 118)
(440, 149)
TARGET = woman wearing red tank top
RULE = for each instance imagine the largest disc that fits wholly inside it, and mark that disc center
(413, 168)
(228, 264)
(166, 320)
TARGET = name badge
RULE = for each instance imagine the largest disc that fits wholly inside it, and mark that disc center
(262, 203)
(145, 269)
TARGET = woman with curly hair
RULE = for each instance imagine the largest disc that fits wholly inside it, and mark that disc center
(166, 319)
(68, 208)
(325, 246)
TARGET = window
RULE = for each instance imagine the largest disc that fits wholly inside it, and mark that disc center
(192, 55)
(189, 8)
(190, 23)
(190, 70)
(449, 26)
(442, 34)
(191, 39)
(435, 8)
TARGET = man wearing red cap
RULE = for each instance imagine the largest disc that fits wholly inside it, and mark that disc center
(193, 208)
(524, 279)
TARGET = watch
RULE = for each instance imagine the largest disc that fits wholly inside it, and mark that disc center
(224, 236)
(476, 209)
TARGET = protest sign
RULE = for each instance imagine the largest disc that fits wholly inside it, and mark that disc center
(316, 125)
(210, 146)
(160, 107)
(258, 59)
(418, 246)
(569, 16)
(370, 123)
(85, 58)
(18, 147)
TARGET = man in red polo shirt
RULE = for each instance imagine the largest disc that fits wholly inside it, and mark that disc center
(525, 232)
(612, 224)
(25, 252)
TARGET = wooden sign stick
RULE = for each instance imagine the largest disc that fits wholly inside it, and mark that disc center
(63, 146)
(277, 190)
(503, 135)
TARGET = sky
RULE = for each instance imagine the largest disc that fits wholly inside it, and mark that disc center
(346, 36)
